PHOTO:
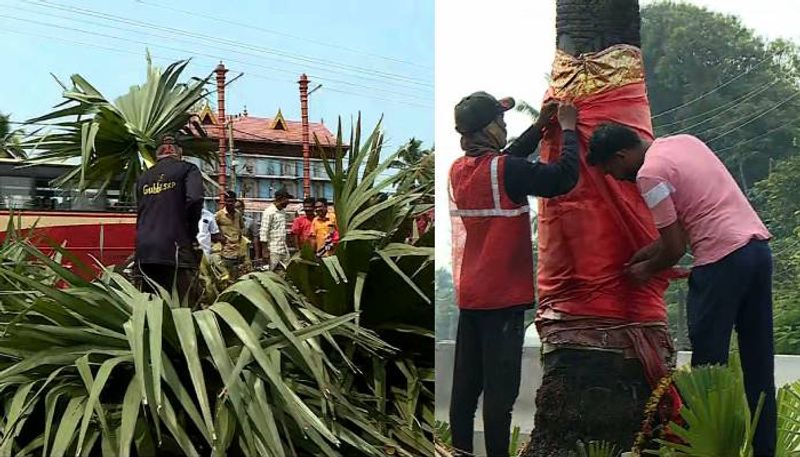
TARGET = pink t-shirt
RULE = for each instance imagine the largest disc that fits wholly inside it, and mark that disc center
(682, 180)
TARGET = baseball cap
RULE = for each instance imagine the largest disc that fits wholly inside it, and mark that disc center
(477, 110)
(169, 145)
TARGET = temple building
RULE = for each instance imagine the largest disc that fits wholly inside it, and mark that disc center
(268, 154)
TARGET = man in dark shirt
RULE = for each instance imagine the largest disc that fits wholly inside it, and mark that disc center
(169, 199)
(493, 256)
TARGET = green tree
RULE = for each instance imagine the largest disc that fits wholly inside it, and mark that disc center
(710, 76)
(776, 198)
(446, 309)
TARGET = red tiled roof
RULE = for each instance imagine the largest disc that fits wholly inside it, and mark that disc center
(260, 129)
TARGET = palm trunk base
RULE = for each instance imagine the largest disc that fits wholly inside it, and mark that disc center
(587, 396)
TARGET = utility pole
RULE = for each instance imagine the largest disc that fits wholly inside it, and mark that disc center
(306, 146)
(220, 71)
(233, 158)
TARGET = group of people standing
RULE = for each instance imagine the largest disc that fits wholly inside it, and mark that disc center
(695, 203)
(175, 233)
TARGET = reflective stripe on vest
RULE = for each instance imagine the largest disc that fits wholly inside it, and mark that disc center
(497, 211)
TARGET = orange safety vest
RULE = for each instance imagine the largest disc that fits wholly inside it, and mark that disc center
(492, 247)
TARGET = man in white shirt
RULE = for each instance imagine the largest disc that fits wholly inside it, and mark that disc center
(207, 231)
(273, 231)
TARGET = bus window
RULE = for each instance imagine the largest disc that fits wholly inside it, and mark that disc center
(16, 192)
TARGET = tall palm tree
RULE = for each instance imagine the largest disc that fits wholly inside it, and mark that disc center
(526, 108)
(416, 165)
(566, 412)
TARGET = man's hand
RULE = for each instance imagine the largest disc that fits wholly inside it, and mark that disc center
(645, 253)
(547, 113)
(639, 273)
(567, 116)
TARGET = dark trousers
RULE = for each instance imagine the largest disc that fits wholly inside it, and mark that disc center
(185, 280)
(737, 292)
(488, 360)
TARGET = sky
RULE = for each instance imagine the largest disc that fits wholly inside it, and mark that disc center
(515, 42)
(373, 57)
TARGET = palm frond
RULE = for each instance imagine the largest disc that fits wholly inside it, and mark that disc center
(101, 365)
(116, 140)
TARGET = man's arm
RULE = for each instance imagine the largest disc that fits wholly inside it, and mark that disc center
(523, 178)
(669, 249)
(671, 245)
(139, 199)
(213, 229)
(138, 193)
(652, 249)
(263, 233)
(646, 252)
(193, 183)
(527, 143)
(296, 232)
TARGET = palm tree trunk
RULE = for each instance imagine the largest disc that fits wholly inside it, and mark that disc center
(592, 25)
(585, 394)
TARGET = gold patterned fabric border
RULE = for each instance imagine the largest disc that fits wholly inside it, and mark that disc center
(589, 74)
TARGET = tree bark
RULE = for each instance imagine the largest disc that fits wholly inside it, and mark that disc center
(592, 25)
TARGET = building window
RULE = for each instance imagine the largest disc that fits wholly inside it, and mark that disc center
(249, 166)
(288, 168)
(272, 167)
(264, 190)
(261, 166)
(318, 189)
(248, 188)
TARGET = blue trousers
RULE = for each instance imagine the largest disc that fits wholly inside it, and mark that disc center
(736, 292)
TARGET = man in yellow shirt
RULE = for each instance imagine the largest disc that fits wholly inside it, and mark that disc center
(231, 225)
(323, 228)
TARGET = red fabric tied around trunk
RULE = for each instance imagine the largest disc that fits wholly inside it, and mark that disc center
(587, 236)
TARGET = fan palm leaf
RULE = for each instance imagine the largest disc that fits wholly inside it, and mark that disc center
(10, 140)
(375, 272)
(717, 416)
(788, 441)
(116, 140)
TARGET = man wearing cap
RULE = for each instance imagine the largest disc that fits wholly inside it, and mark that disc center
(493, 256)
(273, 231)
(169, 198)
